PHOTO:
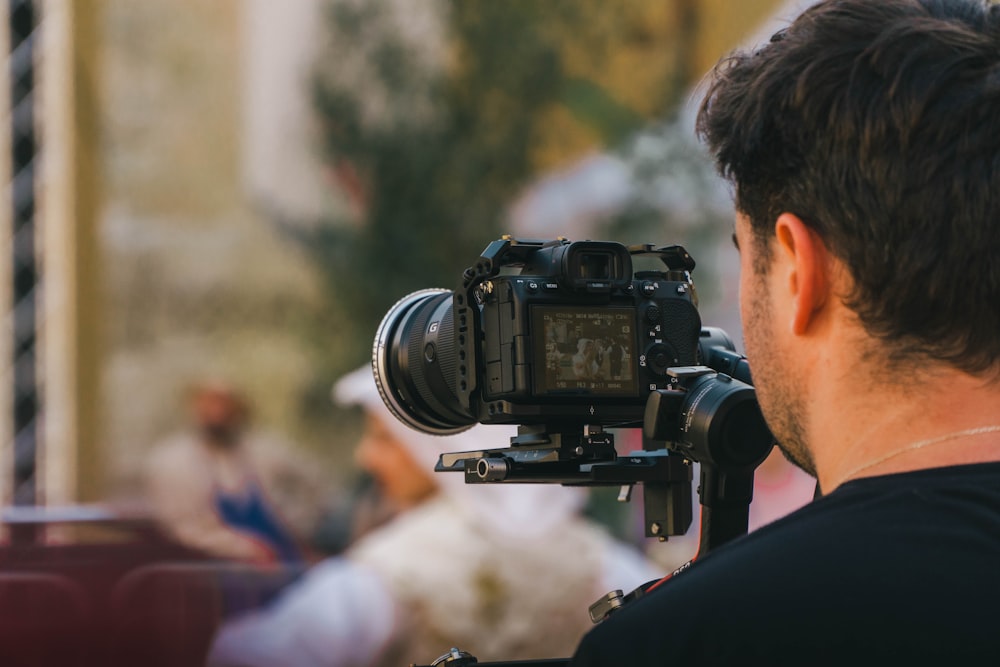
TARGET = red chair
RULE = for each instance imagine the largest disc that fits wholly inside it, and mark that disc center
(45, 620)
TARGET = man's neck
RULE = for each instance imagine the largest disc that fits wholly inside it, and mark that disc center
(949, 418)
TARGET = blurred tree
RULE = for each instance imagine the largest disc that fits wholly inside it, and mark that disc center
(438, 112)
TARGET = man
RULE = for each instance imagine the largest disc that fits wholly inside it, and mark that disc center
(494, 570)
(863, 143)
(231, 491)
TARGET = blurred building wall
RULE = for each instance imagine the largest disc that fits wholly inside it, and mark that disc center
(204, 127)
(69, 456)
(159, 266)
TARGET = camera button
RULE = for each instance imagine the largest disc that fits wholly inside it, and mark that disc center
(648, 288)
(660, 357)
(653, 315)
(532, 286)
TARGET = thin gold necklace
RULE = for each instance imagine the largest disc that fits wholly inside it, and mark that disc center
(920, 444)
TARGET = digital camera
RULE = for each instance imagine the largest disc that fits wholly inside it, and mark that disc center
(550, 332)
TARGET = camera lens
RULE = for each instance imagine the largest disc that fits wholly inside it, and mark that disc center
(722, 423)
(414, 358)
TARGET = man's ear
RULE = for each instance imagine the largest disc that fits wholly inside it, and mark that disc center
(804, 258)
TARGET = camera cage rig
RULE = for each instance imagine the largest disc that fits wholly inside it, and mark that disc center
(568, 452)
(509, 252)
(587, 457)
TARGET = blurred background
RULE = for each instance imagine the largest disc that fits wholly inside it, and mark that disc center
(239, 189)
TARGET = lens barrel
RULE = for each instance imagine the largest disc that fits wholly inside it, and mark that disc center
(414, 359)
(722, 424)
(714, 419)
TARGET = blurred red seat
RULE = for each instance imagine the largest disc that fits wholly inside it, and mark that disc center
(165, 614)
(131, 598)
(45, 620)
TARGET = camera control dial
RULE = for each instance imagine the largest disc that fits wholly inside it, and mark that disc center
(660, 357)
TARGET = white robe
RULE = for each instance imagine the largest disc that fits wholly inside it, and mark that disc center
(434, 578)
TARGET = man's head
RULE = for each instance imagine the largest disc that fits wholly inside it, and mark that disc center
(387, 458)
(402, 460)
(220, 413)
(878, 125)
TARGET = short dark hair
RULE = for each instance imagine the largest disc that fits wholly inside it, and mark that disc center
(878, 123)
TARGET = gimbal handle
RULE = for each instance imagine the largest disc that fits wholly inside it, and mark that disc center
(725, 506)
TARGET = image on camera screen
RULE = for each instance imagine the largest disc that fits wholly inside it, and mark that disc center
(584, 350)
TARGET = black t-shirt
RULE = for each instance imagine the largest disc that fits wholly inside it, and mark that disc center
(895, 570)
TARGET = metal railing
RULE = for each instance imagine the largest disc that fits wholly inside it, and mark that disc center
(24, 296)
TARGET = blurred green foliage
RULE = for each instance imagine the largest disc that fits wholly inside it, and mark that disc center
(437, 114)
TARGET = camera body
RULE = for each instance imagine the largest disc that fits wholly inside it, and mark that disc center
(556, 333)
(573, 336)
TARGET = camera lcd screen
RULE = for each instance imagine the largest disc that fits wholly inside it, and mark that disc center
(584, 350)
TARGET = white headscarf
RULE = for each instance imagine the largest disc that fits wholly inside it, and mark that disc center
(519, 510)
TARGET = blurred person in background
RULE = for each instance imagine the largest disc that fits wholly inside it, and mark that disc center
(505, 572)
(230, 491)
